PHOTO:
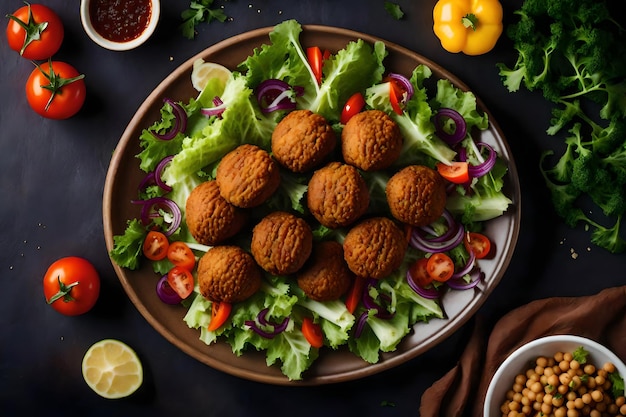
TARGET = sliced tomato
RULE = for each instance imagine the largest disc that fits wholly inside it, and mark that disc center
(440, 267)
(220, 311)
(354, 105)
(354, 294)
(457, 172)
(181, 281)
(312, 333)
(180, 254)
(316, 61)
(155, 246)
(477, 243)
(420, 273)
(395, 92)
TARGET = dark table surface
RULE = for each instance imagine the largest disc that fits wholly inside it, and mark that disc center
(52, 176)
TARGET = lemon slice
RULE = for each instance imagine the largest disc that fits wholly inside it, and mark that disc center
(203, 71)
(112, 369)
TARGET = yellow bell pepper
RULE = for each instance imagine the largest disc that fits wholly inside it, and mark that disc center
(469, 26)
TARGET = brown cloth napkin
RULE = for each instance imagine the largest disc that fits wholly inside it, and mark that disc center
(461, 392)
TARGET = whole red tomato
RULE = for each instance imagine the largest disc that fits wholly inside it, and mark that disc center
(71, 285)
(35, 31)
(56, 90)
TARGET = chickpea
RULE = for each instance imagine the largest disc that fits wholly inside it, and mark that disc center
(589, 369)
(597, 396)
(572, 412)
(518, 387)
(565, 378)
(574, 364)
(622, 409)
(546, 408)
(562, 389)
(595, 413)
(564, 365)
(609, 367)
(586, 398)
(600, 380)
(620, 401)
(567, 356)
(558, 356)
(579, 404)
(536, 387)
(560, 412)
(520, 379)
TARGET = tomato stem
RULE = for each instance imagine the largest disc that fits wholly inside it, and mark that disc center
(56, 81)
(33, 29)
(64, 292)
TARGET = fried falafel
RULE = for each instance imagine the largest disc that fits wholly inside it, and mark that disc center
(303, 140)
(371, 140)
(337, 195)
(228, 274)
(281, 243)
(326, 275)
(209, 217)
(247, 176)
(374, 248)
(416, 195)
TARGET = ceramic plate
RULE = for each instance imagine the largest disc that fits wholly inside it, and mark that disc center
(332, 366)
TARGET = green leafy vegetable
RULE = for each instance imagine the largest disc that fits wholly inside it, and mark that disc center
(575, 54)
(199, 11)
(394, 10)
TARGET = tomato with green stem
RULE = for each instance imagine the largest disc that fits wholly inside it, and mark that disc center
(181, 280)
(71, 285)
(312, 333)
(56, 90)
(155, 246)
(457, 172)
(477, 243)
(354, 105)
(220, 311)
(440, 267)
(35, 31)
(180, 254)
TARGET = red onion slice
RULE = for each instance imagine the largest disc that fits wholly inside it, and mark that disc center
(180, 121)
(482, 169)
(167, 293)
(150, 208)
(405, 83)
(262, 319)
(460, 127)
(429, 293)
(274, 94)
(460, 284)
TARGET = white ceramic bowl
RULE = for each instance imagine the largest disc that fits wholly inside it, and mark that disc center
(518, 362)
(120, 46)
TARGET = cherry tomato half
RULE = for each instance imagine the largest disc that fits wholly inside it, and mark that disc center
(420, 273)
(155, 246)
(181, 281)
(180, 254)
(55, 90)
(457, 172)
(219, 314)
(354, 105)
(477, 243)
(71, 285)
(440, 267)
(312, 333)
(316, 61)
(35, 31)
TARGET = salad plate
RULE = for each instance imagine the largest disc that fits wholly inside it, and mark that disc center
(332, 366)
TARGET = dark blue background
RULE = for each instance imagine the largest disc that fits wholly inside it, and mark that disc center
(51, 182)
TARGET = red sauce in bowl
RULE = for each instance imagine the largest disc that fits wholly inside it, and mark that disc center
(120, 20)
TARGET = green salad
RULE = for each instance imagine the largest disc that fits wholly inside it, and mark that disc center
(223, 116)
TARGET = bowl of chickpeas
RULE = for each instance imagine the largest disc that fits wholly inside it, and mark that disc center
(560, 376)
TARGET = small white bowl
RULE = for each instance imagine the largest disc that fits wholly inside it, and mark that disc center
(155, 7)
(547, 346)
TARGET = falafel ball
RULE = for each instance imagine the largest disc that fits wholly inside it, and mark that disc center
(281, 243)
(374, 248)
(247, 176)
(326, 276)
(337, 195)
(303, 140)
(210, 218)
(228, 274)
(371, 140)
(416, 195)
